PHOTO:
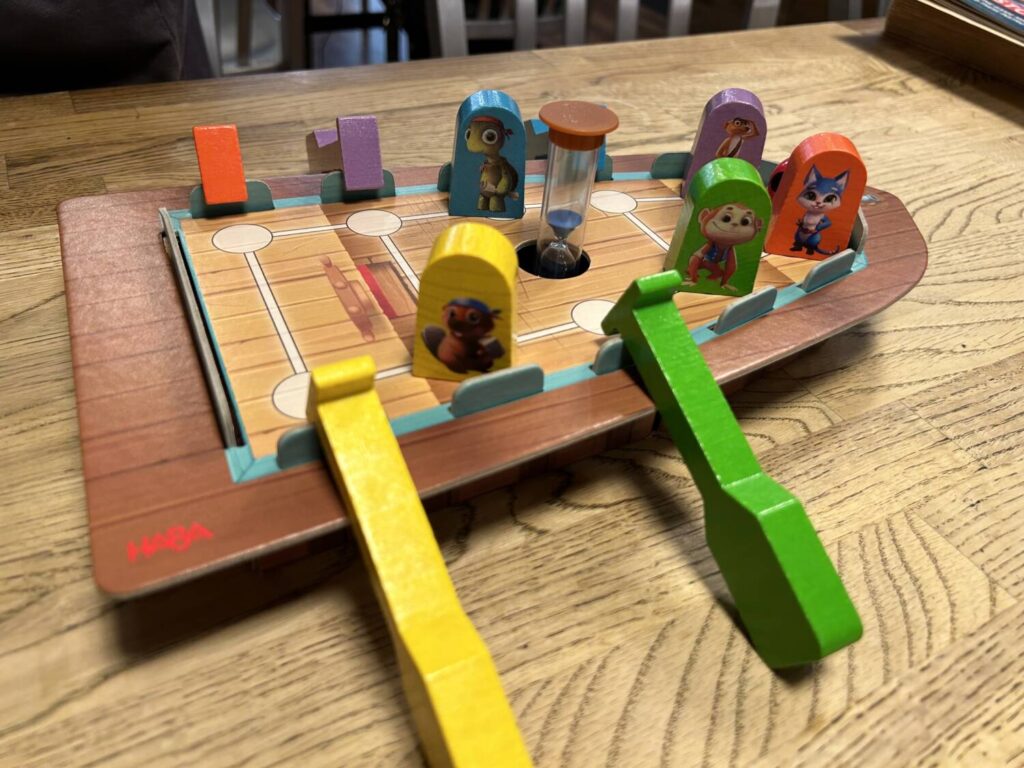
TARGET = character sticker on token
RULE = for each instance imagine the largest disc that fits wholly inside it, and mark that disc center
(464, 343)
(724, 227)
(716, 247)
(498, 179)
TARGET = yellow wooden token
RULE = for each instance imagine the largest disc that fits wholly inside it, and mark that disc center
(465, 316)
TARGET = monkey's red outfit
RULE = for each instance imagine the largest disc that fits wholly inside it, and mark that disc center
(718, 260)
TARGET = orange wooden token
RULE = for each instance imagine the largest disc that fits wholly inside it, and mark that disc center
(220, 164)
(816, 204)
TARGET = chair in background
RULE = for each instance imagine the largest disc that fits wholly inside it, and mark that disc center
(521, 21)
(236, 35)
(450, 30)
(232, 22)
(763, 13)
(298, 24)
(209, 23)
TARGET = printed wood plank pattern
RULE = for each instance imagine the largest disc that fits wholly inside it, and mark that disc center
(256, 358)
(321, 330)
(589, 582)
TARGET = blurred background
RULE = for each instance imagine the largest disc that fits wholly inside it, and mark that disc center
(257, 35)
(48, 45)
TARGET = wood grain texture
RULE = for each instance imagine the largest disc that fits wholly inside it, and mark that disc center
(590, 583)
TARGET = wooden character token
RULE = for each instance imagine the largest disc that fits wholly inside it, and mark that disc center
(488, 158)
(719, 236)
(732, 125)
(466, 308)
(818, 196)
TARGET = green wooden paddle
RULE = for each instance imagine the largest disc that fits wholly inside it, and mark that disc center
(786, 589)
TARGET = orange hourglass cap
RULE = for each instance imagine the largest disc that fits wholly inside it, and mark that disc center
(578, 125)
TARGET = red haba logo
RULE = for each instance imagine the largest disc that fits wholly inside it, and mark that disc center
(177, 538)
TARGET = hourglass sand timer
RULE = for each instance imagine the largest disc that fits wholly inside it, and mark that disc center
(576, 130)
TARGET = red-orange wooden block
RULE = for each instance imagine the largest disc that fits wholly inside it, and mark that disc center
(220, 164)
(816, 203)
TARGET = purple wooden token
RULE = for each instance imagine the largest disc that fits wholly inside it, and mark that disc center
(360, 152)
(732, 125)
(325, 137)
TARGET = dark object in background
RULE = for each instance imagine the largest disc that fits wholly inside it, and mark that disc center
(52, 45)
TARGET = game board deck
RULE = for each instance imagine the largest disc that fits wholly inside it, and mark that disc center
(275, 314)
(162, 502)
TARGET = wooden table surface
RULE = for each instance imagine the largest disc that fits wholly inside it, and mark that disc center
(606, 615)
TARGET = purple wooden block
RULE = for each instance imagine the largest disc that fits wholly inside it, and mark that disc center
(732, 125)
(325, 136)
(360, 144)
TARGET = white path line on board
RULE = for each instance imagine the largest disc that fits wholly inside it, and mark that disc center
(418, 216)
(309, 230)
(411, 217)
(281, 326)
(283, 332)
(329, 227)
(533, 335)
(387, 373)
(675, 199)
(645, 229)
(401, 261)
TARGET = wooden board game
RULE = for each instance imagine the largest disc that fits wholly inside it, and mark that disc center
(174, 491)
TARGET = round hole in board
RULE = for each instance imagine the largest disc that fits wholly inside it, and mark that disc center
(527, 254)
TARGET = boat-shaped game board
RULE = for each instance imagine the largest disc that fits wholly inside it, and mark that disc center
(192, 355)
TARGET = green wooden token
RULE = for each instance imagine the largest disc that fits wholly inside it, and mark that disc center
(718, 240)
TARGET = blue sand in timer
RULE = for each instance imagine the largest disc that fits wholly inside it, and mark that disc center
(559, 258)
(576, 130)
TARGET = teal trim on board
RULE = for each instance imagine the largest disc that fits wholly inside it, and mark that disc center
(258, 198)
(631, 176)
(481, 393)
(295, 202)
(239, 460)
(567, 376)
(792, 293)
(413, 422)
(416, 189)
(208, 324)
(265, 466)
(244, 467)
(702, 335)
(333, 189)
